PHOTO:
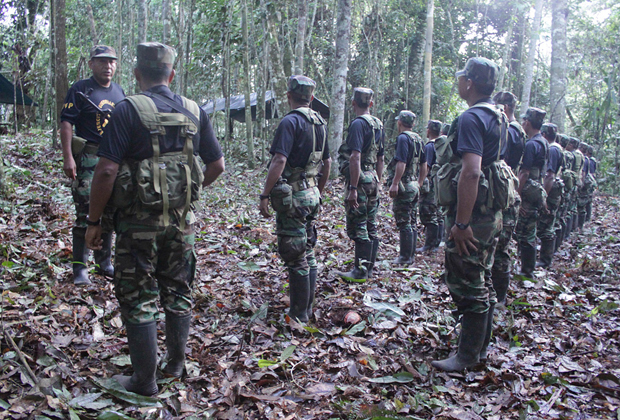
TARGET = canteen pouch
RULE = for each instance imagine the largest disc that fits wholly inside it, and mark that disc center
(534, 193)
(426, 186)
(504, 185)
(281, 197)
(124, 194)
(77, 145)
(447, 180)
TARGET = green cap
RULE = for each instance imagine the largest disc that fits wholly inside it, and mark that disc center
(505, 98)
(362, 96)
(302, 86)
(574, 141)
(102, 51)
(584, 146)
(562, 139)
(407, 118)
(480, 70)
(535, 115)
(445, 129)
(155, 55)
(434, 126)
(549, 129)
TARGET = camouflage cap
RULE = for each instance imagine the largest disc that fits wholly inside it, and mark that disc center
(102, 51)
(591, 150)
(155, 55)
(480, 70)
(584, 146)
(445, 129)
(362, 96)
(407, 118)
(574, 141)
(535, 115)
(302, 86)
(562, 139)
(505, 98)
(434, 126)
(549, 129)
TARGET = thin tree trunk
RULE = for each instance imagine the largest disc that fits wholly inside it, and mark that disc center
(119, 48)
(61, 58)
(341, 59)
(559, 62)
(529, 69)
(188, 44)
(93, 28)
(226, 76)
(276, 70)
(300, 39)
(506, 56)
(43, 111)
(249, 138)
(165, 15)
(428, 59)
(141, 21)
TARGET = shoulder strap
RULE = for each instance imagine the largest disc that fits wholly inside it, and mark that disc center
(177, 107)
(310, 114)
(373, 121)
(503, 124)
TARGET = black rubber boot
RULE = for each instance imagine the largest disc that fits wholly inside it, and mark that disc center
(299, 293)
(80, 257)
(142, 341)
(103, 257)
(473, 334)
(430, 240)
(373, 256)
(528, 260)
(489, 332)
(589, 212)
(546, 253)
(501, 283)
(363, 254)
(581, 220)
(177, 331)
(575, 222)
(312, 291)
(559, 237)
(407, 247)
(440, 233)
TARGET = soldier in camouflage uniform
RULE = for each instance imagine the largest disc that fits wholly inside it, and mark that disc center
(297, 175)
(564, 175)
(573, 144)
(533, 195)
(88, 106)
(502, 264)
(406, 172)
(554, 187)
(569, 176)
(593, 185)
(430, 213)
(474, 227)
(153, 137)
(583, 194)
(360, 160)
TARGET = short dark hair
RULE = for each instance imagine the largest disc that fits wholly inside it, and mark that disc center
(158, 74)
(536, 125)
(485, 89)
(506, 98)
(299, 99)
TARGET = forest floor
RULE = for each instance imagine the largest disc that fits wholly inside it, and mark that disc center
(554, 352)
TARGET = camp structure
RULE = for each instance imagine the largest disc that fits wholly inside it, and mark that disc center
(8, 96)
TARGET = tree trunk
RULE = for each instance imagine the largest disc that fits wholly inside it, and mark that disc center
(226, 74)
(529, 69)
(119, 47)
(428, 59)
(141, 21)
(60, 79)
(276, 70)
(506, 56)
(341, 59)
(300, 39)
(559, 62)
(165, 17)
(249, 138)
(188, 44)
(93, 29)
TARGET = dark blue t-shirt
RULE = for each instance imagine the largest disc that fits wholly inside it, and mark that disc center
(127, 138)
(360, 135)
(89, 123)
(535, 153)
(429, 151)
(406, 150)
(513, 150)
(293, 139)
(586, 165)
(555, 159)
(479, 133)
(592, 165)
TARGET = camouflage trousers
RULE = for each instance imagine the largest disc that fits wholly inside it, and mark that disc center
(545, 228)
(296, 231)
(153, 263)
(469, 277)
(430, 212)
(531, 203)
(583, 197)
(405, 206)
(573, 202)
(502, 259)
(80, 188)
(562, 214)
(362, 221)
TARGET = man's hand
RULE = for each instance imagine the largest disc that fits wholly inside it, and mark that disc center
(263, 207)
(464, 240)
(69, 167)
(352, 199)
(93, 237)
(393, 190)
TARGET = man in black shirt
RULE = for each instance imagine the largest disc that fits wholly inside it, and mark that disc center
(152, 139)
(531, 189)
(473, 226)
(88, 106)
(298, 172)
(430, 214)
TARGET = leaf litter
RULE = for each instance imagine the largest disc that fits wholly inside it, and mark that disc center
(554, 351)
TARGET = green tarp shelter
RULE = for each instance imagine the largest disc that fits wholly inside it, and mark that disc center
(7, 94)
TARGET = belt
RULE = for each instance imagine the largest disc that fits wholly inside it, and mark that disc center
(303, 184)
(91, 147)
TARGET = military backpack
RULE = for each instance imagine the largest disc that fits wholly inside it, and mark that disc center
(369, 157)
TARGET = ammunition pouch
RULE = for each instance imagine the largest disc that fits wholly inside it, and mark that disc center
(534, 194)
(281, 197)
(77, 145)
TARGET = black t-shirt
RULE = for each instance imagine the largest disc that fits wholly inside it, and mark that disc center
(429, 151)
(555, 159)
(406, 150)
(89, 123)
(592, 165)
(534, 154)
(359, 136)
(479, 133)
(514, 147)
(127, 138)
(293, 139)
(586, 165)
